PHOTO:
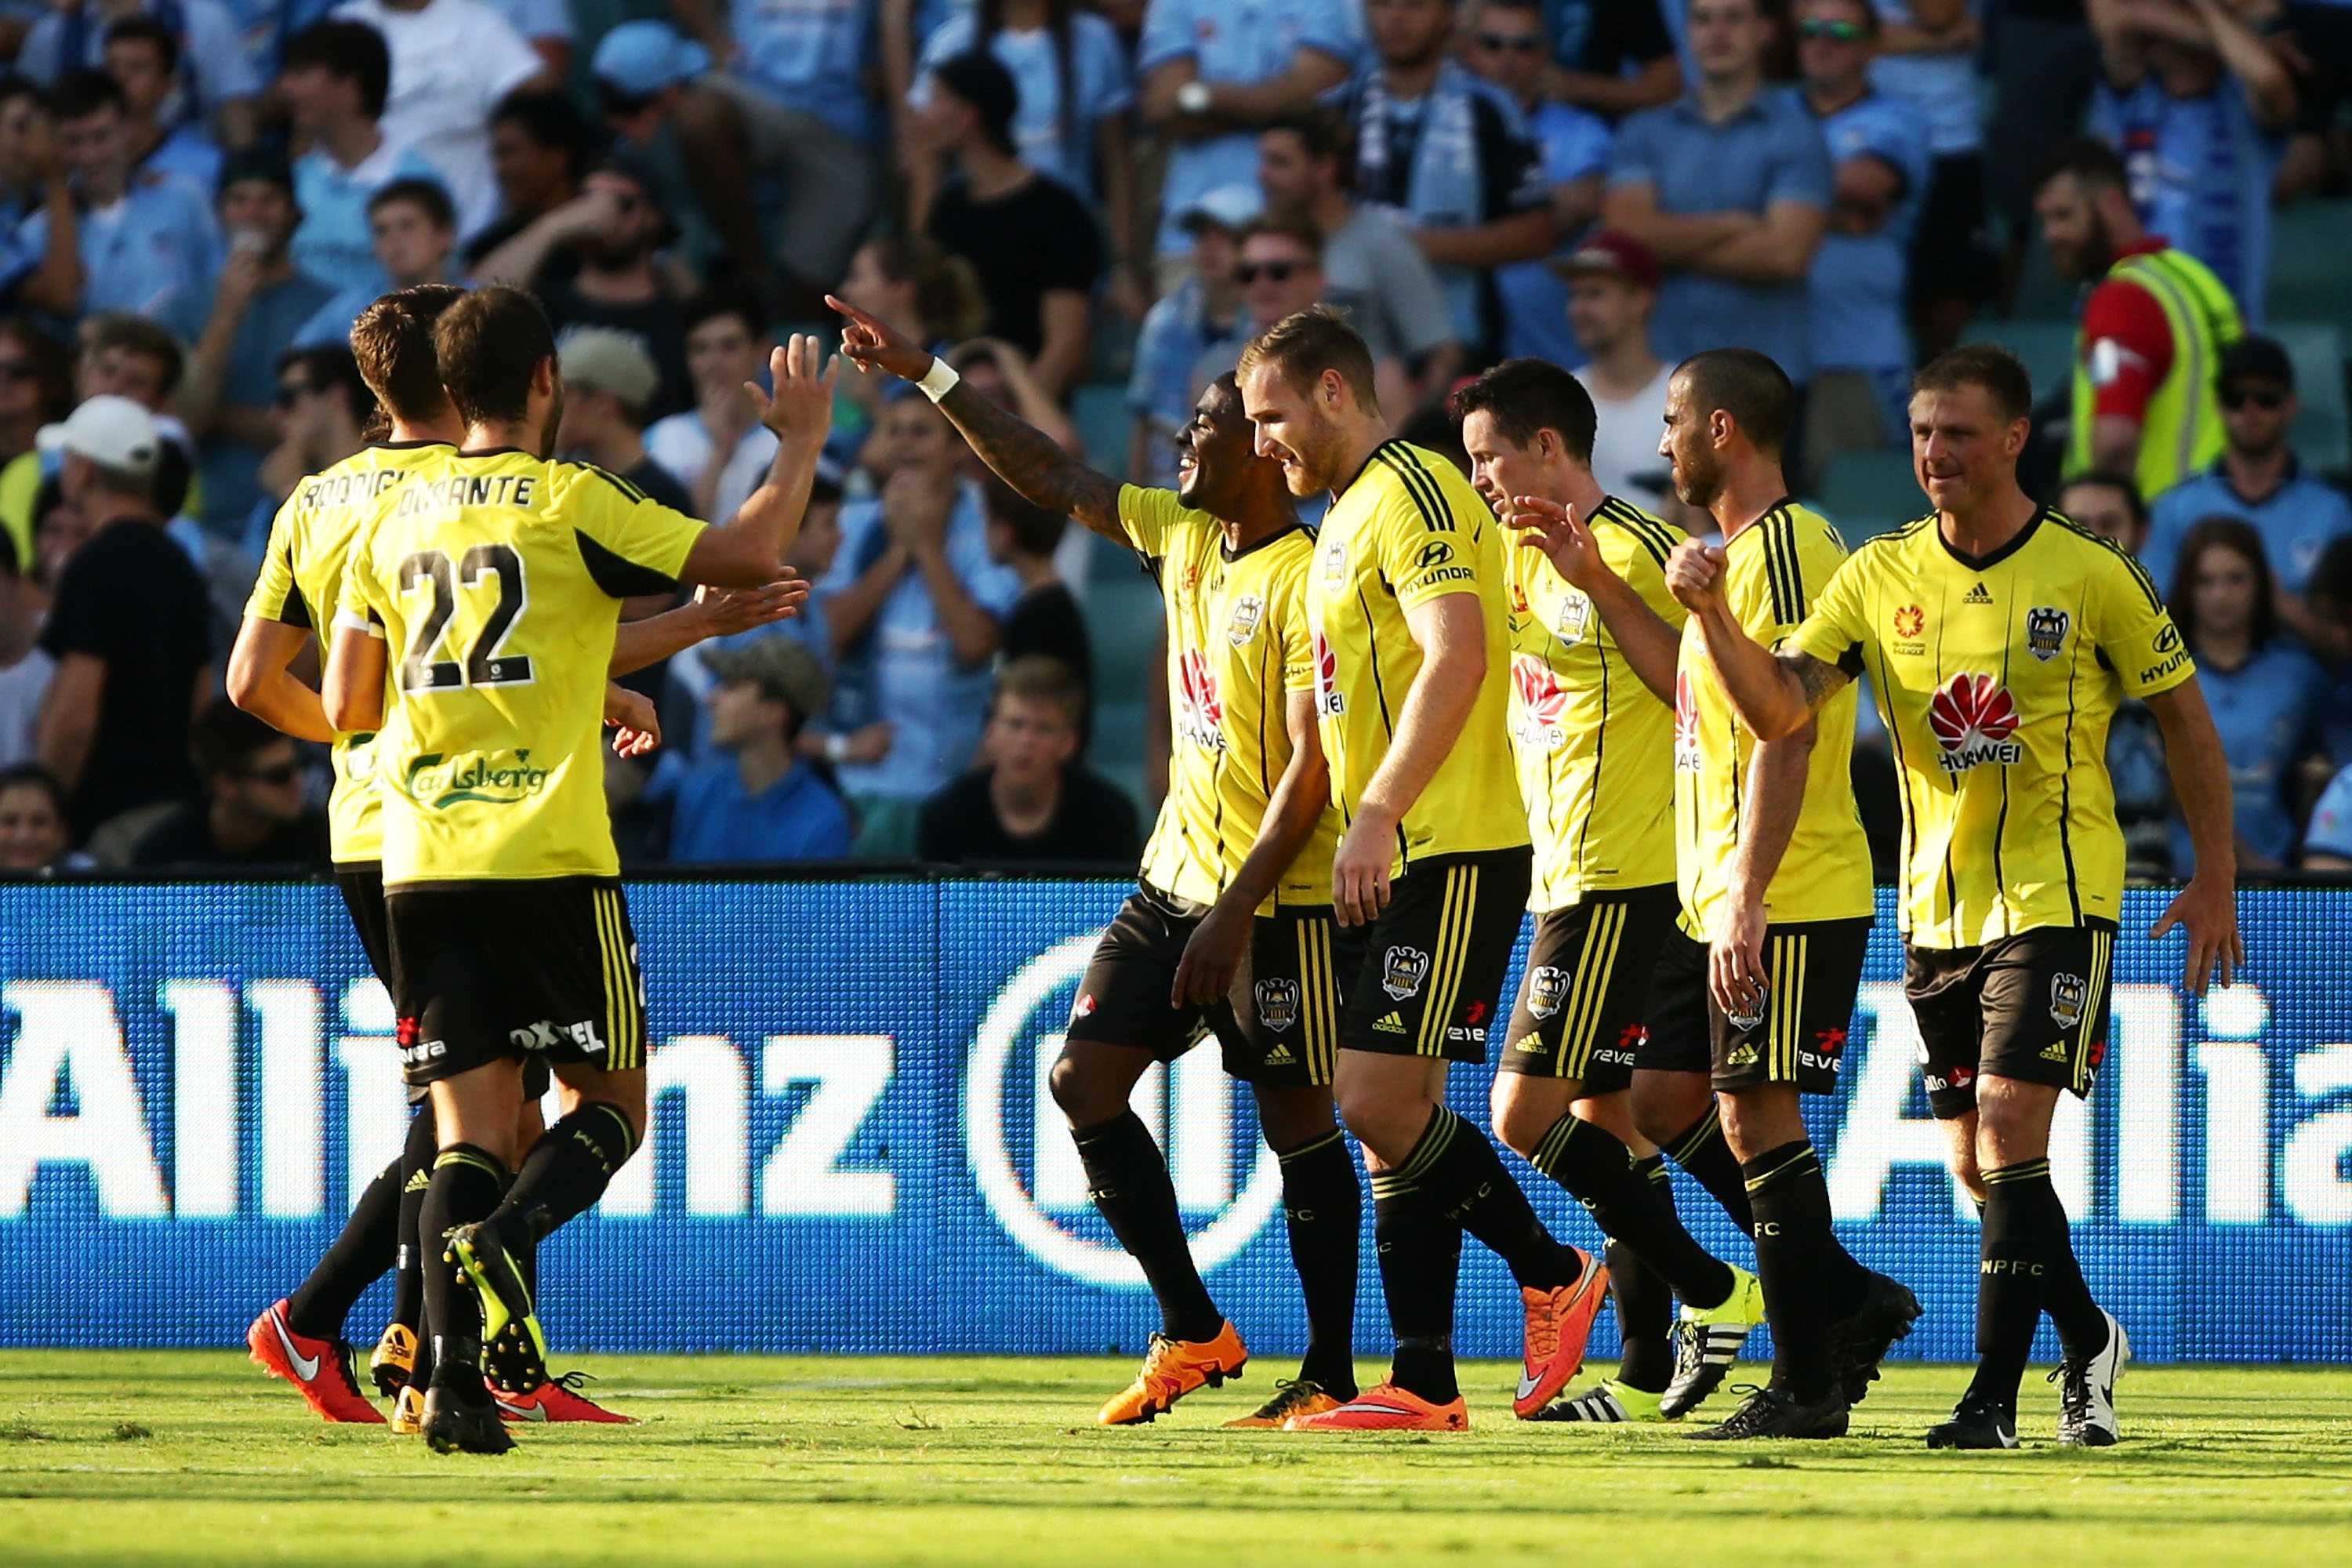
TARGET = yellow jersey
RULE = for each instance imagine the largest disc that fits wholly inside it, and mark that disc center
(1593, 743)
(1773, 569)
(301, 583)
(1996, 679)
(495, 579)
(1237, 644)
(1408, 529)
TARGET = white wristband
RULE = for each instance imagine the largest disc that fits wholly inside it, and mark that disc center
(836, 748)
(940, 380)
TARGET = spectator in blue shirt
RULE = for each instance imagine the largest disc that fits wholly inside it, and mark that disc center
(917, 612)
(2265, 695)
(1203, 308)
(2297, 515)
(335, 79)
(2109, 505)
(788, 102)
(2328, 843)
(259, 305)
(1729, 188)
(756, 800)
(2198, 106)
(1507, 48)
(415, 233)
(1213, 71)
(218, 84)
(547, 27)
(1861, 393)
(142, 55)
(147, 242)
(1926, 56)
(642, 68)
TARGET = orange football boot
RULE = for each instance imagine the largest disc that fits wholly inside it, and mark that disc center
(557, 1399)
(322, 1371)
(1172, 1369)
(1386, 1408)
(1304, 1397)
(1558, 1323)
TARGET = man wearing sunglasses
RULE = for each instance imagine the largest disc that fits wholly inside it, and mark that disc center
(2257, 477)
(253, 812)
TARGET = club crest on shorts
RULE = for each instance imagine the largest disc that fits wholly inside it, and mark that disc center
(1277, 1004)
(1574, 619)
(1547, 989)
(1249, 611)
(1747, 1018)
(2045, 631)
(2070, 996)
(1402, 971)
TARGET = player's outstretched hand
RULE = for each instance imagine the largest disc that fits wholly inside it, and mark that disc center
(872, 343)
(1560, 534)
(727, 611)
(2207, 908)
(800, 408)
(1694, 575)
(636, 727)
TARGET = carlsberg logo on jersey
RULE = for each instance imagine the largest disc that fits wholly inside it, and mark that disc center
(492, 778)
(1973, 718)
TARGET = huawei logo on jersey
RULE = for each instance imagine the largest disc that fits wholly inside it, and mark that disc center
(1686, 724)
(1202, 717)
(1973, 718)
(1328, 699)
(1540, 702)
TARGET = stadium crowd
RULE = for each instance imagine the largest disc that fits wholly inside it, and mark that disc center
(1090, 210)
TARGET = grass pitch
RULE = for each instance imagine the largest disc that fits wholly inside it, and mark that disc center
(197, 1458)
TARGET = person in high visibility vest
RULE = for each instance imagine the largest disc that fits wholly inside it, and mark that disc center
(2153, 325)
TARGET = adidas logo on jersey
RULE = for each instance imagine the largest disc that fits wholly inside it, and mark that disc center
(1392, 1025)
(1978, 596)
(1280, 1056)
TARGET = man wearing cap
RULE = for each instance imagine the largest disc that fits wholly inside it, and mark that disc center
(642, 69)
(1035, 245)
(592, 262)
(334, 81)
(1612, 287)
(609, 381)
(1204, 309)
(127, 627)
(2258, 477)
(260, 303)
(756, 800)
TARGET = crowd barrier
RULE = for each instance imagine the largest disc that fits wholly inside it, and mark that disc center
(853, 1149)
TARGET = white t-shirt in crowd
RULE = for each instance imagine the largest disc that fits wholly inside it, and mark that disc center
(451, 63)
(682, 444)
(22, 686)
(1625, 443)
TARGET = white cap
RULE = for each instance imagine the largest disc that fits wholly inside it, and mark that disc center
(112, 432)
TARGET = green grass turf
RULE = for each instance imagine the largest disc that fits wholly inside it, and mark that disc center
(184, 1458)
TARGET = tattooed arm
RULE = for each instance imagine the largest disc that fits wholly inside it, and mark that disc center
(1775, 694)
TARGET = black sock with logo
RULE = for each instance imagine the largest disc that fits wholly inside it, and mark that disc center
(416, 1172)
(1324, 1206)
(568, 1168)
(2014, 1275)
(1420, 1252)
(1456, 1165)
(1700, 1150)
(464, 1189)
(1601, 1173)
(1810, 1283)
(363, 1251)
(1128, 1178)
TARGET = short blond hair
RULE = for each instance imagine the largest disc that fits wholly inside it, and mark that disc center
(1305, 344)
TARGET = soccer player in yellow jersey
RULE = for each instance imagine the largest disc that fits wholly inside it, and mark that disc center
(1756, 986)
(477, 621)
(1230, 931)
(298, 584)
(1595, 748)
(1998, 639)
(1406, 607)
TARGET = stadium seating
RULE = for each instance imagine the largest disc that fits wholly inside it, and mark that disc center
(1865, 493)
(2322, 434)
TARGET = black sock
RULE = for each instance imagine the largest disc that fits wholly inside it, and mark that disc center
(1600, 1173)
(1645, 1320)
(2021, 1209)
(1126, 1177)
(365, 1250)
(1421, 1260)
(1325, 1206)
(416, 1170)
(1459, 1169)
(1810, 1281)
(464, 1189)
(570, 1167)
(2067, 1295)
(1700, 1150)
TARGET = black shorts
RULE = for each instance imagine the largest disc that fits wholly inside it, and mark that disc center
(1951, 256)
(1277, 1025)
(1584, 1007)
(362, 883)
(1425, 977)
(2033, 1006)
(483, 972)
(1812, 972)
